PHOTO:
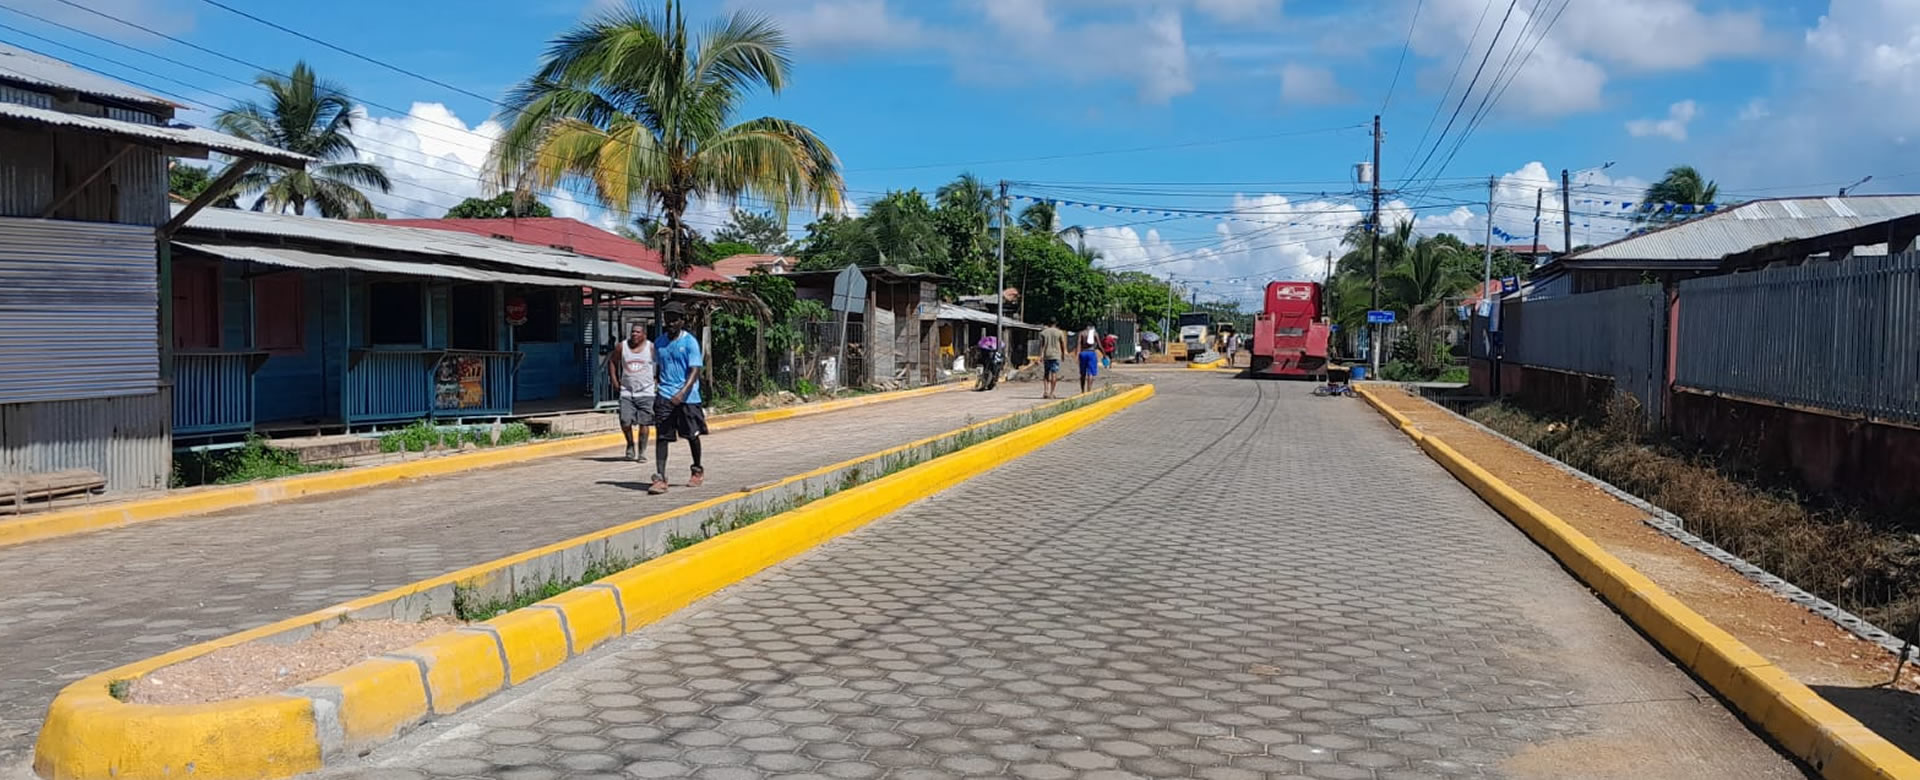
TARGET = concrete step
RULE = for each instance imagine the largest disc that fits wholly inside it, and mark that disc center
(327, 449)
(574, 424)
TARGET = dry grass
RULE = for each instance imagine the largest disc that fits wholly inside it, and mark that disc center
(1862, 561)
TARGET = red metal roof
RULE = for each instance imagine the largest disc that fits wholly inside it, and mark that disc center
(563, 233)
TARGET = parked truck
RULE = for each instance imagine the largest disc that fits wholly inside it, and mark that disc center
(1290, 333)
(1196, 332)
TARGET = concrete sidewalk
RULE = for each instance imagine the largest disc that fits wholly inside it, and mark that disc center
(79, 604)
(1233, 579)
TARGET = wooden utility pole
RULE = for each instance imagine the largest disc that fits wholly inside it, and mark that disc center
(1566, 214)
(1374, 223)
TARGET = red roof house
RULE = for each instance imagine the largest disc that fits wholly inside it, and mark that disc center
(742, 265)
(563, 233)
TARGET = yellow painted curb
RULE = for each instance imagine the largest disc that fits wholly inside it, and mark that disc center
(1808, 726)
(1207, 365)
(91, 736)
(213, 499)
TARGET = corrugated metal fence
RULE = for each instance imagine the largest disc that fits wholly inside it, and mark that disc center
(1843, 336)
(1619, 333)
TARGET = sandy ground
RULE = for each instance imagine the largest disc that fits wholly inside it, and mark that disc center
(259, 668)
(1850, 672)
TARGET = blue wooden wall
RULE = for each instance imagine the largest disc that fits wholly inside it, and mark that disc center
(292, 387)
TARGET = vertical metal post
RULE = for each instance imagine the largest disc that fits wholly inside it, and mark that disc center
(1535, 249)
(1566, 214)
(1000, 291)
(1492, 304)
(1166, 319)
(1374, 222)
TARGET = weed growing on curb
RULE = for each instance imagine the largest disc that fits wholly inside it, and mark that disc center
(468, 607)
(120, 689)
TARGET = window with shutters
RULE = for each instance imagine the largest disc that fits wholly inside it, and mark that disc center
(196, 305)
(279, 312)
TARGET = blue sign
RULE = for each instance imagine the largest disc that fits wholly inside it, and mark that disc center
(1509, 283)
(1334, 327)
(1380, 317)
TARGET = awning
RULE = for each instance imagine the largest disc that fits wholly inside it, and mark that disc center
(949, 311)
(297, 258)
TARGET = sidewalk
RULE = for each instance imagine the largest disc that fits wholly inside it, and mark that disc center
(78, 604)
(1232, 579)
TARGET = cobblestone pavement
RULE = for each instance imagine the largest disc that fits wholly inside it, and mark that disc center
(77, 605)
(1230, 580)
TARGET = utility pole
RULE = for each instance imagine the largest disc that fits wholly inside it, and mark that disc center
(1000, 292)
(1566, 213)
(1166, 320)
(1373, 343)
(1486, 281)
(1535, 249)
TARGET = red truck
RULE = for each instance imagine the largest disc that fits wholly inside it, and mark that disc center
(1290, 333)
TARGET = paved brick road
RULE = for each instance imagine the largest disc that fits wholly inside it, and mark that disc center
(77, 605)
(1230, 580)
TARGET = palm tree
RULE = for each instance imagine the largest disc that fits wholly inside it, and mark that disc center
(311, 117)
(633, 106)
(1419, 285)
(1683, 184)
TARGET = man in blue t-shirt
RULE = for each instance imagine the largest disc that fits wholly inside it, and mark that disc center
(677, 408)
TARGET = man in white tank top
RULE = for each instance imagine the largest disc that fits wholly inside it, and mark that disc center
(632, 367)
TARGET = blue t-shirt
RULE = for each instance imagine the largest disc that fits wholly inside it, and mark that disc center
(677, 358)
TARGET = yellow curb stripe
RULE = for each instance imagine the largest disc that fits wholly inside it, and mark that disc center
(1207, 365)
(90, 736)
(1804, 723)
(199, 501)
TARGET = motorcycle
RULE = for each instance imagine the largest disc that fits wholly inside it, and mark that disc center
(991, 361)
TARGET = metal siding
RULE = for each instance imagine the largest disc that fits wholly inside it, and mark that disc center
(1754, 224)
(125, 438)
(215, 392)
(77, 304)
(1832, 335)
(26, 97)
(1618, 333)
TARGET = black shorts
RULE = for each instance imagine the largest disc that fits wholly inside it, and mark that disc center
(674, 421)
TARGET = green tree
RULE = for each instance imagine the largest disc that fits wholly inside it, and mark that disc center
(307, 116)
(1419, 288)
(1145, 297)
(1062, 286)
(964, 218)
(716, 251)
(499, 206)
(904, 231)
(758, 229)
(188, 181)
(834, 241)
(642, 112)
(1682, 184)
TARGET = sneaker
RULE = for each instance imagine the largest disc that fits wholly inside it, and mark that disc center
(699, 476)
(659, 485)
(633, 452)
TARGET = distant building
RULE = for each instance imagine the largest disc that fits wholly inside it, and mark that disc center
(88, 327)
(742, 265)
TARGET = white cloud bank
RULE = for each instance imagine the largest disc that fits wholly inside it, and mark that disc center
(1674, 126)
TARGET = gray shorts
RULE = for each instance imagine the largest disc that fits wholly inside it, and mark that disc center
(636, 410)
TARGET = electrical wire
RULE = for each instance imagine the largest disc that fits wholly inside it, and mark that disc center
(1388, 100)
(1441, 140)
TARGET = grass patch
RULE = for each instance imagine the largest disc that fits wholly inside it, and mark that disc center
(1864, 561)
(120, 689)
(470, 606)
(252, 461)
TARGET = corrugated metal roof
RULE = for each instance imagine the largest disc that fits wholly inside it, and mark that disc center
(949, 311)
(1753, 224)
(17, 64)
(295, 258)
(192, 137)
(373, 235)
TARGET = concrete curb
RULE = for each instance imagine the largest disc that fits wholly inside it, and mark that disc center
(91, 736)
(1209, 365)
(201, 501)
(1808, 726)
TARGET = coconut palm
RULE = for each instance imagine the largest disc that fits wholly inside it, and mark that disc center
(1683, 184)
(313, 117)
(640, 112)
(1419, 285)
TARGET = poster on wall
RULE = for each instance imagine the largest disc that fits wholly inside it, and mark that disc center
(566, 311)
(516, 311)
(460, 383)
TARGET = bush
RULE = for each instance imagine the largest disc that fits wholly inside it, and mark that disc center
(253, 461)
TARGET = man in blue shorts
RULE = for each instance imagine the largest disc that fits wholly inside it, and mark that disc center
(1053, 347)
(1089, 344)
(677, 412)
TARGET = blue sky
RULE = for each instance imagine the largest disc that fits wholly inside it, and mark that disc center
(1250, 107)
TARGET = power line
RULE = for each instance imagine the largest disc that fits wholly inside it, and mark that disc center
(1457, 65)
(1103, 152)
(1403, 56)
(348, 52)
(1469, 90)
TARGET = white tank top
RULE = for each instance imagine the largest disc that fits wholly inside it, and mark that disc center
(636, 370)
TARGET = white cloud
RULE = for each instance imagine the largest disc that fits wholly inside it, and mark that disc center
(1756, 108)
(862, 24)
(1311, 85)
(1270, 237)
(1566, 65)
(1674, 126)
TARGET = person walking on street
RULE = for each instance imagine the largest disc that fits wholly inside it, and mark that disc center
(632, 367)
(1233, 346)
(677, 410)
(1089, 358)
(1053, 349)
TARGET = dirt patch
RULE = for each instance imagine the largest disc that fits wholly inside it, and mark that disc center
(1811, 648)
(258, 668)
